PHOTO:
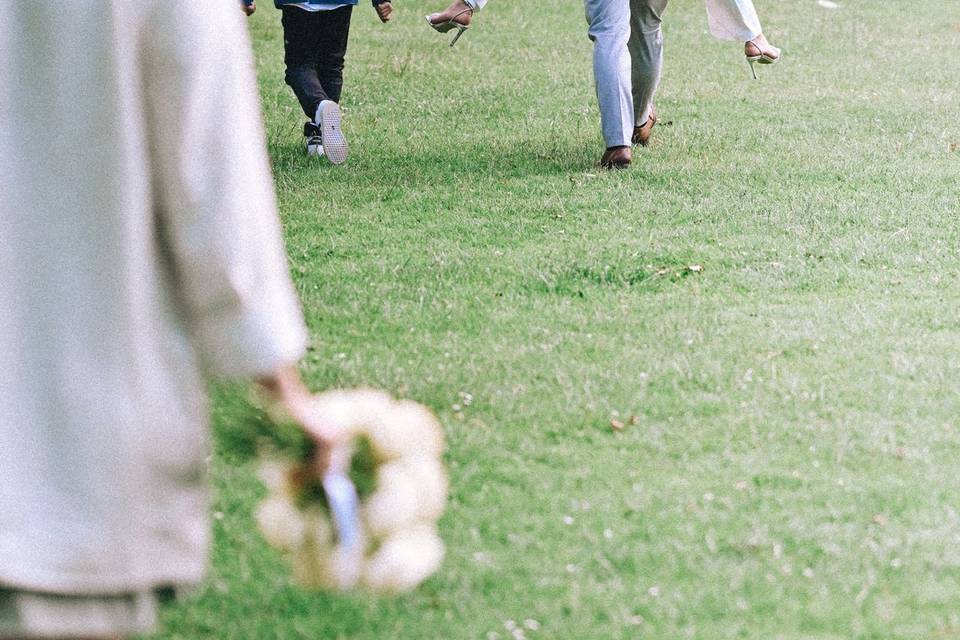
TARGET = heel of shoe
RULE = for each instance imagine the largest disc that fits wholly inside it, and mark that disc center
(460, 30)
(751, 61)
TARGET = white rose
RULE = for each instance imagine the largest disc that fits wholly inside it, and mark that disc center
(352, 411)
(430, 479)
(410, 429)
(370, 407)
(395, 504)
(404, 560)
(275, 475)
(281, 523)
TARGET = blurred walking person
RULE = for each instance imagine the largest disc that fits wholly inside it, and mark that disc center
(628, 59)
(141, 256)
(628, 62)
(315, 37)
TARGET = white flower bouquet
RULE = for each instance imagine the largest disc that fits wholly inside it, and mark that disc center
(371, 521)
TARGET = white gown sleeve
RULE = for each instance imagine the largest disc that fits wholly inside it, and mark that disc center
(213, 190)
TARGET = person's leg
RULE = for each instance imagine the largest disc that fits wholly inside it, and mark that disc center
(299, 56)
(646, 55)
(326, 45)
(737, 20)
(332, 33)
(733, 20)
(610, 30)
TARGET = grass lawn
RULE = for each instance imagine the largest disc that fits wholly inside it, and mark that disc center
(771, 292)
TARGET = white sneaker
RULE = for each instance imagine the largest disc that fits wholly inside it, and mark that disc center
(334, 144)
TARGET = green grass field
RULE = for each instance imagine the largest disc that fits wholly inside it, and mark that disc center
(771, 291)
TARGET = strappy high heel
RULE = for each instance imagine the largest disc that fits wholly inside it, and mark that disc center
(757, 54)
(447, 25)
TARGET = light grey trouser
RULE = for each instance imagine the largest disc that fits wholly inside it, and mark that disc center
(627, 61)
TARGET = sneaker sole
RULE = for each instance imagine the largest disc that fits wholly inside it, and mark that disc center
(334, 144)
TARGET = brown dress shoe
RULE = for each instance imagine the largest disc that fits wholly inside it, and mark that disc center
(641, 134)
(616, 158)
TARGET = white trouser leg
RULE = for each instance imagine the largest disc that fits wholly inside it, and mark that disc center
(476, 5)
(733, 20)
(610, 30)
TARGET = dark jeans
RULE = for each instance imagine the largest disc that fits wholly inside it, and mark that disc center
(314, 44)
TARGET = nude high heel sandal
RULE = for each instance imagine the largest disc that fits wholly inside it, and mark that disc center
(758, 54)
(447, 25)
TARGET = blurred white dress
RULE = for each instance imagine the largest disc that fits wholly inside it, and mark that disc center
(140, 253)
(733, 20)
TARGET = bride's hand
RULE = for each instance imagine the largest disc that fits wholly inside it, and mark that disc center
(285, 390)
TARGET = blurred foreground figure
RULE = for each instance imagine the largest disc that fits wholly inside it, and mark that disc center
(141, 254)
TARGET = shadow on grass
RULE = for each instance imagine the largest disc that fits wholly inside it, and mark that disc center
(651, 274)
(493, 159)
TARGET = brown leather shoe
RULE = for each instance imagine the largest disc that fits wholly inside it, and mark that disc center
(641, 134)
(616, 158)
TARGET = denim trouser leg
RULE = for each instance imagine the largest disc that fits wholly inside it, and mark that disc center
(646, 52)
(610, 30)
(733, 20)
